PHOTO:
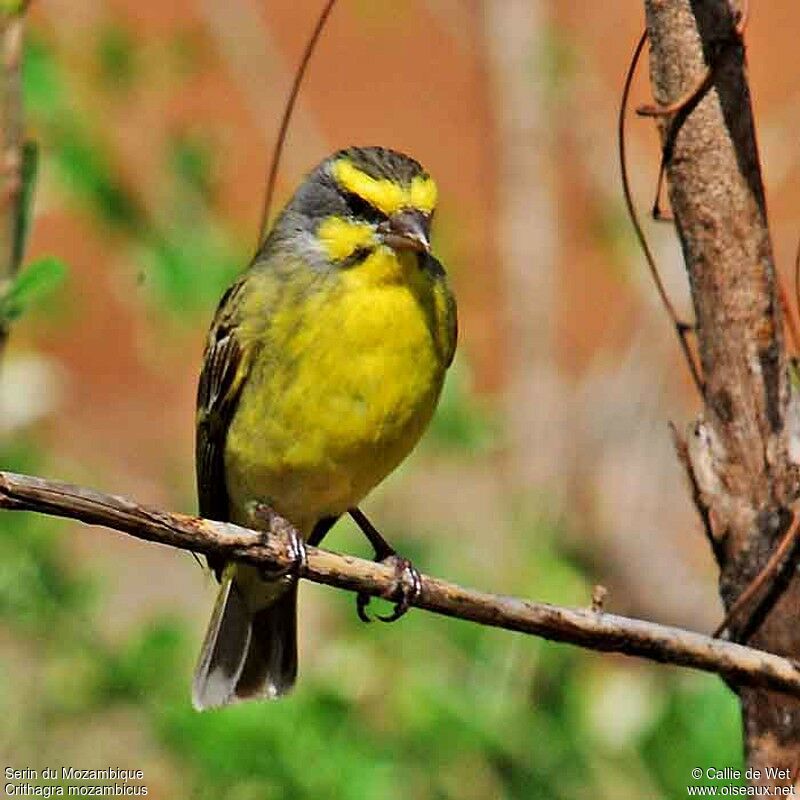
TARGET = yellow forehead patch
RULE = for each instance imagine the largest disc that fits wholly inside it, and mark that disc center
(386, 195)
(423, 193)
(340, 237)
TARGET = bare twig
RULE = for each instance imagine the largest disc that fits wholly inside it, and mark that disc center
(589, 628)
(767, 573)
(11, 144)
(287, 116)
(701, 85)
(681, 328)
(688, 99)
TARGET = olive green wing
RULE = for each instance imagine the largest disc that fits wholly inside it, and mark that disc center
(446, 312)
(450, 324)
(225, 365)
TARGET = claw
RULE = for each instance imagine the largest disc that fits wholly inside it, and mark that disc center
(297, 550)
(405, 593)
(409, 583)
(295, 545)
(362, 601)
(409, 588)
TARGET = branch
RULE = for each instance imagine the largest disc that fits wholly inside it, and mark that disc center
(743, 478)
(592, 629)
(11, 30)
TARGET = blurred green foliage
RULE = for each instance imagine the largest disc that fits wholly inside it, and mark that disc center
(116, 58)
(430, 708)
(37, 280)
(36, 582)
(460, 423)
(12, 7)
(187, 254)
(558, 63)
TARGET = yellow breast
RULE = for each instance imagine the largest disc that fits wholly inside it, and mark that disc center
(341, 391)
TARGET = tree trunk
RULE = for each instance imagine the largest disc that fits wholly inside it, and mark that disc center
(739, 448)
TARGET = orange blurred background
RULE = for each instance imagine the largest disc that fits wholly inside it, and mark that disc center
(512, 106)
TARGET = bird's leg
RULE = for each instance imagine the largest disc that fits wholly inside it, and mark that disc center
(267, 519)
(409, 584)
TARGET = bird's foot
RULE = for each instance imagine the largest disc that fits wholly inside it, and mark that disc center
(408, 588)
(273, 523)
(408, 583)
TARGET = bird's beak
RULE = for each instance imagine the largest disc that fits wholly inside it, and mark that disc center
(407, 230)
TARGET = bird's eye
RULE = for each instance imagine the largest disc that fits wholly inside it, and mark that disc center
(363, 209)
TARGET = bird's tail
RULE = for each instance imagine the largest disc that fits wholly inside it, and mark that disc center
(247, 654)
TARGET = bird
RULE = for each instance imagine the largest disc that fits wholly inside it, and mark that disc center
(322, 368)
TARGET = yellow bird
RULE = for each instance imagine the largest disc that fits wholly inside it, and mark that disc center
(322, 369)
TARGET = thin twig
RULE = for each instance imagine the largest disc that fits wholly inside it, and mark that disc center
(656, 212)
(11, 42)
(700, 87)
(769, 570)
(681, 328)
(287, 116)
(681, 103)
(679, 109)
(592, 629)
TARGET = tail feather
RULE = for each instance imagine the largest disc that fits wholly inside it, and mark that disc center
(246, 654)
(270, 668)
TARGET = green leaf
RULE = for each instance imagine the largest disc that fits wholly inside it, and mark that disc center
(34, 282)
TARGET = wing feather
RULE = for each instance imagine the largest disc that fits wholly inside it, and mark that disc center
(225, 365)
(445, 310)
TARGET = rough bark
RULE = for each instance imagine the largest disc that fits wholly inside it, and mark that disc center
(587, 627)
(738, 450)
